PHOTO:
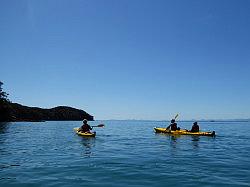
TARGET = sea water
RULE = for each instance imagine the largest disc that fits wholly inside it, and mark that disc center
(124, 153)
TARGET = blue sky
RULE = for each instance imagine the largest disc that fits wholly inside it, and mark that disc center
(129, 59)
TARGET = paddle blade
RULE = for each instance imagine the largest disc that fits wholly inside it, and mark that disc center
(101, 125)
(176, 116)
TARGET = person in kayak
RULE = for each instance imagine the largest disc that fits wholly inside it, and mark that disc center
(85, 127)
(195, 127)
(173, 126)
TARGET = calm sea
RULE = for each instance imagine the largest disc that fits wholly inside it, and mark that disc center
(124, 153)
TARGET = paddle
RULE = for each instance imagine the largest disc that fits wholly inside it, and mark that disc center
(176, 116)
(100, 125)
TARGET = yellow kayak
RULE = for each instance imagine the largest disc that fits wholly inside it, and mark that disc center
(84, 134)
(183, 132)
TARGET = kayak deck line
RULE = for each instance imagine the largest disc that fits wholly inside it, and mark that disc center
(84, 134)
(183, 132)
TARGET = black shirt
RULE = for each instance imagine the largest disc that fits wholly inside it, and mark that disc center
(195, 128)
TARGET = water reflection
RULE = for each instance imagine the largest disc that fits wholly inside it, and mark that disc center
(195, 141)
(88, 144)
(4, 127)
(173, 140)
(177, 139)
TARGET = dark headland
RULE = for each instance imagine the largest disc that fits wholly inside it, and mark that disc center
(15, 112)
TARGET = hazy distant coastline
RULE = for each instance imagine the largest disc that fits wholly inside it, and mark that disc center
(191, 120)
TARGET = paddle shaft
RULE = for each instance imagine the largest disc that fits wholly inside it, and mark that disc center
(176, 116)
(101, 125)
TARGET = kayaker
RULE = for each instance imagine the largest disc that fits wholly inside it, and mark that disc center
(173, 126)
(85, 127)
(195, 127)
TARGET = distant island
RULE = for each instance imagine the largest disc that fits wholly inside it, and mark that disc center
(16, 112)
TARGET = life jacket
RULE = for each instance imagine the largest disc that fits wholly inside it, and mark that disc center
(173, 127)
(195, 128)
(86, 128)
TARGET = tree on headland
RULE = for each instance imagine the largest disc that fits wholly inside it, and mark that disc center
(3, 95)
(4, 105)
